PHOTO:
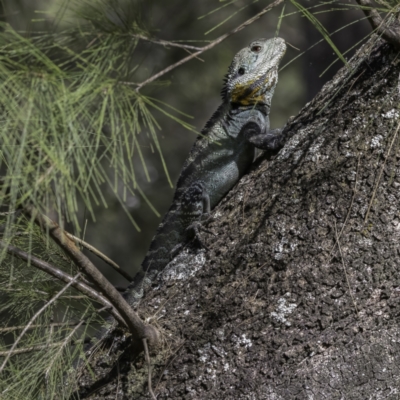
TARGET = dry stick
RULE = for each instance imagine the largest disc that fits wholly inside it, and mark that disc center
(344, 268)
(205, 48)
(135, 325)
(147, 356)
(380, 174)
(170, 362)
(27, 349)
(24, 290)
(3, 214)
(64, 343)
(167, 43)
(390, 33)
(101, 255)
(161, 306)
(62, 276)
(352, 198)
(33, 348)
(19, 327)
(351, 205)
(118, 383)
(42, 309)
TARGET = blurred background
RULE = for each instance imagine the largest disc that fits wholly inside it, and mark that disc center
(194, 87)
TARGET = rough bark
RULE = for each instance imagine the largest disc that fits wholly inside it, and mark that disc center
(297, 297)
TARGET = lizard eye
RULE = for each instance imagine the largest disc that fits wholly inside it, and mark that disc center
(256, 48)
(241, 71)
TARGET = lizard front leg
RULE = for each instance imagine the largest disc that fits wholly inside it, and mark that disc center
(195, 206)
(270, 140)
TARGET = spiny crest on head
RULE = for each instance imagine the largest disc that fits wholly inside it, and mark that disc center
(226, 80)
(224, 90)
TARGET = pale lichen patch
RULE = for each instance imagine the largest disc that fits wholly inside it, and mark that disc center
(283, 309)
(183, 266)
(393, 113)
(376, 141)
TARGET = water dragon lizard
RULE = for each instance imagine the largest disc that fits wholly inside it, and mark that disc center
(218, 159)
(221, 154)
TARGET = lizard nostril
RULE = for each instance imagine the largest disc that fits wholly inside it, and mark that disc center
(241, 71)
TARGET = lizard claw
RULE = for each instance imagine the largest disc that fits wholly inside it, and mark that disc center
(194, 230)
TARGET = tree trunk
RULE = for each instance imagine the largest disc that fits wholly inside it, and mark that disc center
(297, 297)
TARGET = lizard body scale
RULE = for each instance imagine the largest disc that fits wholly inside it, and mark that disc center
(218, 159)
(221, 155)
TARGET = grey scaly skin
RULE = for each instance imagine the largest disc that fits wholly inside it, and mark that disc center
(220, 156)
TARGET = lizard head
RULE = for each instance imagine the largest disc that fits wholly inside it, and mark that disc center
(253, 74)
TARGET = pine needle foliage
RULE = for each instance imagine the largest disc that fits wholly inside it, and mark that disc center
(71, 123)
(38, 364)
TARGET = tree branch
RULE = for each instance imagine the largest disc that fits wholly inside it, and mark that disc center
(390, 32)
(52, 325)
(205, 48)
(371, 202)
(167, 43)
(101, 255)
(28, 349)
(62, 276)
(135, 325)
(27, 327)
(147, 357)
(64, 343)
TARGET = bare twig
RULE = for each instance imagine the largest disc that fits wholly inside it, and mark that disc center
(40, 311)
(293, 47)
(22, 290)
(171, 360)
(27, 349)
(147, 356)
(207, 47)
(344, 269)
(380, 174)
(62, 276)
(19, 327)
(24, 350)
(3, 214)
(389, 32)
(118, 383)
(101, 255)
(64, 343)
(135, 325)
(167, 43)
(349, 211)
(352, 198)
